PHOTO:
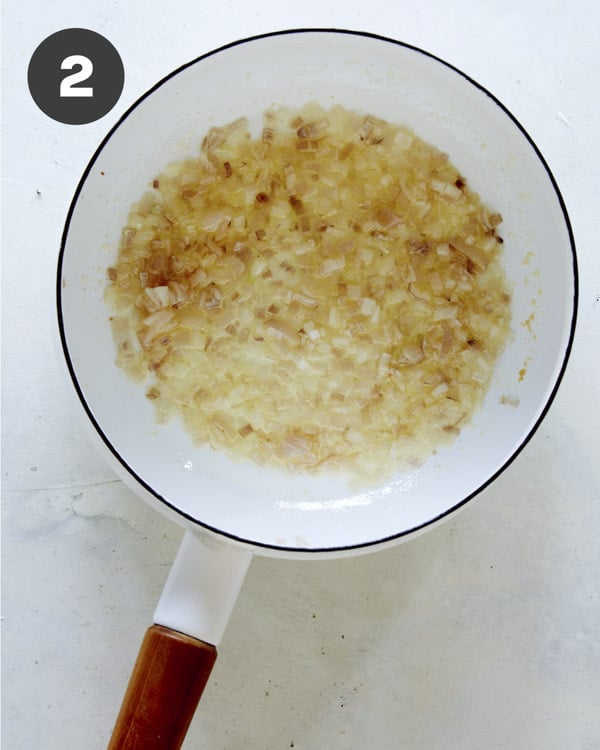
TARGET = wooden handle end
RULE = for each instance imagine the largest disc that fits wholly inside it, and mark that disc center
(166, 684)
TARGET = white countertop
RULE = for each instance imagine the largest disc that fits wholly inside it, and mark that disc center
(481, 634)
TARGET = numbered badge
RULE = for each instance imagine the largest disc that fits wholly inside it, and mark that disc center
(75, 76)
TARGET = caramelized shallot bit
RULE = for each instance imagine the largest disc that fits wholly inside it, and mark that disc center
(299, 448)
(327, 295)
(313, 129)
(370, 131)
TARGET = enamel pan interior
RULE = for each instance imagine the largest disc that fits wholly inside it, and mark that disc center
(277, 512)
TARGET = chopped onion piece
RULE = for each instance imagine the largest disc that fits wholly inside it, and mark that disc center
(331, 265)
(210, 222)
(281, 329)
(313, 129)
(446, 190)
(296, 447)
(157, 297)
(368, 306)
(475, 254)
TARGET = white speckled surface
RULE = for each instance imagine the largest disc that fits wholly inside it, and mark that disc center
(482, 634)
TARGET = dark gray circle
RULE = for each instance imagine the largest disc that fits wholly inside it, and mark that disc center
(75, 76)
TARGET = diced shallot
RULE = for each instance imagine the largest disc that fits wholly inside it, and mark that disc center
(326, 294)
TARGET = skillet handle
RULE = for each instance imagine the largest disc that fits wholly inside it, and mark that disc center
(167, 681)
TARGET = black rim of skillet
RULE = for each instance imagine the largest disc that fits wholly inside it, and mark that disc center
(405, 532)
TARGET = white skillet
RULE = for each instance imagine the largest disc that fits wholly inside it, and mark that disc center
(233, 511)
